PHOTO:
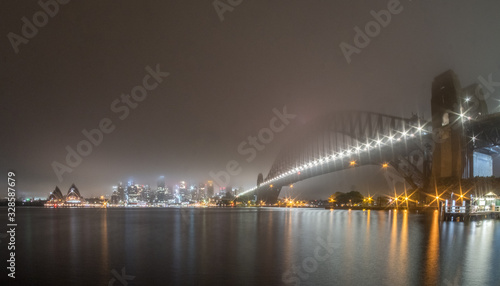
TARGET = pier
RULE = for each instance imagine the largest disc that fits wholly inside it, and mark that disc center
(468, 212)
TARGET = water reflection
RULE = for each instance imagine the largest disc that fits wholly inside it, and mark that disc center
(403, 251)
(255, 247)
(392, 264)
(432, 254)
(476, 256)
(104, 241)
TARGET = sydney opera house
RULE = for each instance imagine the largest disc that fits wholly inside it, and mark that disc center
(72, 198)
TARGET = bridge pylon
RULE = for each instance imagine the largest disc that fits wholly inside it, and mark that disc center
(268, 195)
(448, 136)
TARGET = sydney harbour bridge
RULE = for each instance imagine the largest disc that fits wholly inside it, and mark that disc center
(420, 151)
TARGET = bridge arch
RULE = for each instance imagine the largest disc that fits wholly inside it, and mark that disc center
(333, 142)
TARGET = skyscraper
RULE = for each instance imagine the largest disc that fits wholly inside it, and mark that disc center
(132, 193)
(210, 189)
(161, 182)
(122, 196)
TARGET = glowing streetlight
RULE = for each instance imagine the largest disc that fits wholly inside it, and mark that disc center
(385, 165)
(352, 163)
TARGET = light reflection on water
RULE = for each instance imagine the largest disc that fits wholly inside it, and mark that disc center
(253, 247)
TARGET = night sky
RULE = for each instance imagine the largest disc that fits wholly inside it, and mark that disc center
(225, 79)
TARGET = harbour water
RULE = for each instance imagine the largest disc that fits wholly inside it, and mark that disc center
(250, 246)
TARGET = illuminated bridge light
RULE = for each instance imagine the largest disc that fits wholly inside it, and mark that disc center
(346, 154)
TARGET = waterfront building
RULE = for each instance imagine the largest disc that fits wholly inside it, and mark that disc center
(56, 196)
(132, 193)
(122, 195)
(115, 198)
(73, 196)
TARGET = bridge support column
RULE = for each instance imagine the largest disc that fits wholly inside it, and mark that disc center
(269, 195)
(448, 155)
